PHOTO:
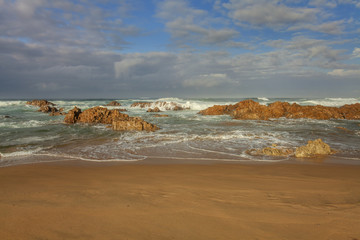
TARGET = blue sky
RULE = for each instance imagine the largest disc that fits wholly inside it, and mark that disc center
(179, 48)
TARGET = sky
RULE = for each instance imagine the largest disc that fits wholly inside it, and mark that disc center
(179, 48)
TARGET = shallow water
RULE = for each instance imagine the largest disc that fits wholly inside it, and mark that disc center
(30, 136)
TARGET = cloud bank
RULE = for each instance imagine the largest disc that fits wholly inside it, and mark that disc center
(237, 48)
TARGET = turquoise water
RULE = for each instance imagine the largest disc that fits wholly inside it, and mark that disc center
(28, 136)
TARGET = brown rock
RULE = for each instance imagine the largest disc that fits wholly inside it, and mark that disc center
(160, 104)
(40, 103)
(118, 120)
(251, 110)
(141, 104)
(218, 110)
(113, 103)
(160, 115)
(48, 109)
(156, 109)
(313, 148)
(72, 116)
(133, 124)
(101, 115)
(274, 151)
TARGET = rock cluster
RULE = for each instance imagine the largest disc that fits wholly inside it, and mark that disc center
(46, 107)
(251, 110)
(159, 104)
(119, 121)
(313, 148)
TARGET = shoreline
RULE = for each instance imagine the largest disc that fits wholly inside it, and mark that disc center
(72, 200)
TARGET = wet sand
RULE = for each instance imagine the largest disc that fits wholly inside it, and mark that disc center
(219, 201)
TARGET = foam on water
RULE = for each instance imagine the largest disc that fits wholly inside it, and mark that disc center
(330, 102)
(28, 134)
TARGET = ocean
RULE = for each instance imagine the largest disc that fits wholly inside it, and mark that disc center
(28, 136)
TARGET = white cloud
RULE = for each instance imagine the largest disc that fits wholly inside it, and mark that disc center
(335, 27)
(356, 53)
(268, 13)
(189, 25)
(323, 3)
(345, 73)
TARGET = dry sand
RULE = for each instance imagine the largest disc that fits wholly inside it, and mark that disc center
(64, 201)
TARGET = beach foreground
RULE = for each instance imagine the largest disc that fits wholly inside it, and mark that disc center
(220, 201)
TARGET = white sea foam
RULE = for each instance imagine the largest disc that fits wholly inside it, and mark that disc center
(27, 124)
(21, 153)
(331, 102)
(11, 103)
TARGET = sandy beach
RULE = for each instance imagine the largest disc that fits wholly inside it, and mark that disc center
(219, 201)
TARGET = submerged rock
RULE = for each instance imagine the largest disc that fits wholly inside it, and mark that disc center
(159, 104)
(313, 148)
(119, 121)
(251, 110)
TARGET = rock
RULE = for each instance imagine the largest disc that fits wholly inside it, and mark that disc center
(133, 124)
(160, 115)
(218, 110)
(160, 104)
(141, 104)
(251, 110)
(113, 103)
(344, 129)
(6, 116)
(101, 115)
(313, 148)
(118, 121)
(274, 151)
(156, 109)
(40, 103)
(48, 109)
(178, 108)
(72, 116)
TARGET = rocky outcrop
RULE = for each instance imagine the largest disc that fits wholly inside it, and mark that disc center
(113, 104)
(46, 107)
(160, 115)
(159, 104)
(119, 121)
(313, 148)
(251, 110)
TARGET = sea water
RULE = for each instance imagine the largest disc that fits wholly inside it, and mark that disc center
(28, 136)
